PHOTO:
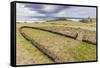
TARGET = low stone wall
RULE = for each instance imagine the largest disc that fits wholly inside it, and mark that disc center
(50, 55)
(87, 36)
(89, 40)
(66, 34)
(44, 50)
(69, 34)
(76, 33)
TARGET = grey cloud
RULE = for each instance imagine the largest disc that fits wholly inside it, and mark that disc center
(40, 8)
(48, 12)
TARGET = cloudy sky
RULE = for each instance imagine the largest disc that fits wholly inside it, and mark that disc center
(41, 12)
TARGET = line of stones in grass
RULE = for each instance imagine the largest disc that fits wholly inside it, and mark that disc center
(73, 35)
(83, 34)
(50, 55)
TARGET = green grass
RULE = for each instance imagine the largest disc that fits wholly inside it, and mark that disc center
(27, 53)
(86, 52)
(68, 49)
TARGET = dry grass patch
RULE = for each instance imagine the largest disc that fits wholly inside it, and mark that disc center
(68, 49)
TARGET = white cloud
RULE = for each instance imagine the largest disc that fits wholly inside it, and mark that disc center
(77, 12)
(50, 8)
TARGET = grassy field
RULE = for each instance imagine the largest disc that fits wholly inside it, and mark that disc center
(27, 53)
(69, 49)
